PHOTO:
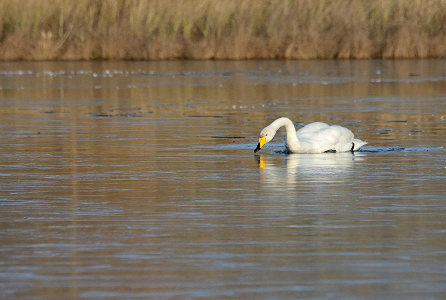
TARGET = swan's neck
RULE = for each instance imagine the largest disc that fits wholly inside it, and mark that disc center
(291, 136)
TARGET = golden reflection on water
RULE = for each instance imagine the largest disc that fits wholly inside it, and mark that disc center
(135, 179)
(245, 96)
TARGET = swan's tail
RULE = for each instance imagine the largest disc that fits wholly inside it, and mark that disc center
(358, 144)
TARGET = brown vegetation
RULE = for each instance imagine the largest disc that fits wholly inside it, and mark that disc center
(221, 29)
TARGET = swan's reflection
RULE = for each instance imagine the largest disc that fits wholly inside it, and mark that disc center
(278, 170)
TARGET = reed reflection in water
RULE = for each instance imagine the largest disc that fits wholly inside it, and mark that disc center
(138, 180)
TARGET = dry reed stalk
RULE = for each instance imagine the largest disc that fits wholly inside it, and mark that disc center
(221, 29)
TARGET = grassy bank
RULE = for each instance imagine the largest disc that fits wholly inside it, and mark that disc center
(221, 29)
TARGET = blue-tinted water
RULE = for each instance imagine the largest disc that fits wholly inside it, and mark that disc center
(124, 180)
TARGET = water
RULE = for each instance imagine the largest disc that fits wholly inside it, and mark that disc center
(123, 180)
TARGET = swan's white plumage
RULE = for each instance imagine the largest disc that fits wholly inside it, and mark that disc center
(316, 137)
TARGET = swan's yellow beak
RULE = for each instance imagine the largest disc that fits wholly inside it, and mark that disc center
(262, 142)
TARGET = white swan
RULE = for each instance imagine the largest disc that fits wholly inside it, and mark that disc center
(316, 137)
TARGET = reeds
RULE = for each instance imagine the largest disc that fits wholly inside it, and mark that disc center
(221, 29)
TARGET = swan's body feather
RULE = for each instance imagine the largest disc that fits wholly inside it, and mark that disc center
(316, 137)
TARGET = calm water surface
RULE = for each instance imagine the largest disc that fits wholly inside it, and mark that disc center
(122, 180)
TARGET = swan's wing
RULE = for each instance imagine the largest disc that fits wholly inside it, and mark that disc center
(311, 128)
(327, 138)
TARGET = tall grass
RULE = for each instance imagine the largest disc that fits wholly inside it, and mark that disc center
(221, 29)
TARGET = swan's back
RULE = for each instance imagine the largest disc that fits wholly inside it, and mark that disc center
(311, 128)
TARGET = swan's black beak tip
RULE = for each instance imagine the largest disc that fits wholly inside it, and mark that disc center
(257, 148)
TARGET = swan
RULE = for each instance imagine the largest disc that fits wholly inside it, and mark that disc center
(316, 137)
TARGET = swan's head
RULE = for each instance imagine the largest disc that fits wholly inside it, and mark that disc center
(266, 135)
